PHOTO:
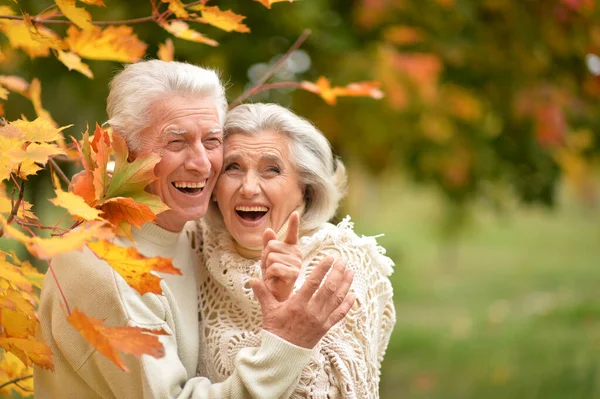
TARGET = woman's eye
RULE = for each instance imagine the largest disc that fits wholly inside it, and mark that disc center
(274, 169)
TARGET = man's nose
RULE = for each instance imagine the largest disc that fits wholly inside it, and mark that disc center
(250, 186)
(197, 159)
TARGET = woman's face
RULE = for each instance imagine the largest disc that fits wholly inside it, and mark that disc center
(258, 187)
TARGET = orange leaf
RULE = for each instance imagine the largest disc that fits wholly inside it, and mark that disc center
(177, 8)
(46, 248)
(94, 2)
(226, 20)
(73, 61)
(102, 148)
(269, 3)
(29, 351)
(166, 52)
(181, 30)
(135, 268)
(115, 43)
(82, 185)
(115, 210)
(108, 340)
(79, 16)
(323, 88)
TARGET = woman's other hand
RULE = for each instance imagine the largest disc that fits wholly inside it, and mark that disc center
(281, 260)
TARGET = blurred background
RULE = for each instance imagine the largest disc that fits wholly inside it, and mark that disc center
(480, 166)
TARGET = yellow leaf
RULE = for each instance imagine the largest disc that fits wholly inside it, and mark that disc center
(178, 8)
(330, 94)
(39, 130)
(166, 52)
(75, 205)
(226, 20)
(35, 95)
(21, 321)
(19, 37)
(94, 2)
(111, 44)
(43, 34)
(269, 3)
(46, 248)
(24, 211)
(108, 340)
(27, 168)
(4, 93)
(73, 61)
(29, 351)
(136, 269)
(9, 148)
(11, 368)
(14, 275)
(181, 30)
(39, 153)
(79, 16)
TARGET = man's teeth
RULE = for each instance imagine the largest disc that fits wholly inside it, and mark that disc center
(252, 208)
(190, 184)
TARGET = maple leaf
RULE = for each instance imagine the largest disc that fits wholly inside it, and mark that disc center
(79, 16)
(11, 368)
(121, 208)
(47, 248)
(39, 153)
(108, 340)
(75, 204)
(115, 43)
(166, 52)
(136, 269)
(15, 84)
(13, 275)
(101, 146)
(178, 8)
(330, 94)
(181, 30)
(225, 20)
(18, 36)
(269, 3)
(44, 35)
(20, 322)
(39, 130)
(73, 61)
(82, 185)
(28, 351)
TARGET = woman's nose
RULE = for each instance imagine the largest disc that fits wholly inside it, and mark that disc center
(250, 186)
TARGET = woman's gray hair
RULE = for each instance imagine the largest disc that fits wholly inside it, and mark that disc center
(139, 85)
(322, 176)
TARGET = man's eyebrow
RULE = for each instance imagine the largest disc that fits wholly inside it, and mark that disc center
(216, 130)
(176, 131)
(232, 157)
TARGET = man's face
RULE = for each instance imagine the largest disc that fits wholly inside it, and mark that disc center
(187, 133)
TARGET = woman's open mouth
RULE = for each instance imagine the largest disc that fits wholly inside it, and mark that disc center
(251, 213)
(190, 187)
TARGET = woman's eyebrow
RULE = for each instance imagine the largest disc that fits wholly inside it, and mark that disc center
(270, 157)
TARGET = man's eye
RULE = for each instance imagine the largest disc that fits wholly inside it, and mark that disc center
(176, 141)
(232, 166)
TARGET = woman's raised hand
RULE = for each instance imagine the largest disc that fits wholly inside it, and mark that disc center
(281, 260)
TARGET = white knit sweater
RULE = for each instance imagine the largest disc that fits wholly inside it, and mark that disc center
(346, 363)
(93, 287)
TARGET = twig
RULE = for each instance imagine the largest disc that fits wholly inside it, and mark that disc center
(15, 380)
(256, 87)
(58, 170)
(39, 226)
(15, 208)
(68, 22)
(59, 287)
(277, 85)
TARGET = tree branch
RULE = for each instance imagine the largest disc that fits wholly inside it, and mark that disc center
(15, 380)
(15, 208)
(256, 88)
(59, 171)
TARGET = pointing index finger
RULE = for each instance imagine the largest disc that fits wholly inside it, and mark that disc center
(291, 236)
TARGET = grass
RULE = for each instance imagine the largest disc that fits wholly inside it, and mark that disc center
(511, 310)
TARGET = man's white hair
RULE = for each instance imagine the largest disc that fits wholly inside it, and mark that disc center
(139, 85)
(322, 176)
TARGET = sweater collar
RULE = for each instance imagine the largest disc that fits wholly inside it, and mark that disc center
(155, 234)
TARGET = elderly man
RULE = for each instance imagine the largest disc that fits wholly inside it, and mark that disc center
(178, 111)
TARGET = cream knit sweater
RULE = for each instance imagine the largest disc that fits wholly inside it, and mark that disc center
(93, 287)
(346, 363)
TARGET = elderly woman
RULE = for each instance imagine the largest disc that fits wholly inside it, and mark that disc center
(276, 163)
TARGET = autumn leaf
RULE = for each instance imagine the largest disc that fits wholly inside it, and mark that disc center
(46, 248)
(39, 130)
(4, 93)
(181, 30)
(117, 209)
(18, 36)
(136, 269)
(20, 322)
(39, 153)
(269, 3)
(43, 34)
(82, 185)
(177, 7)
(15, 84)
(75, 205)
(225, 20)
(94, 2)
(101, 146)
(10, 148)
(11, 368)
(73, 61)
(79, 16)
(323, 88)
(166, 52)
(13, 274)
(108, 340)
(115, 43)
(35, 96)
(29, 351)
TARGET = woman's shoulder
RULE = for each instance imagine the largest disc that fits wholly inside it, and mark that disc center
(343, 238)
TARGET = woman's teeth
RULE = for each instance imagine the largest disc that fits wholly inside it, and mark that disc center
(251, 212)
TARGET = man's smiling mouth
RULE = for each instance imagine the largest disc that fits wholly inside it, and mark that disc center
(251, 213)
(189, 187)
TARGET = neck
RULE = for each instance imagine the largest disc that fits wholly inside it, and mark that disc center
(168, 221)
